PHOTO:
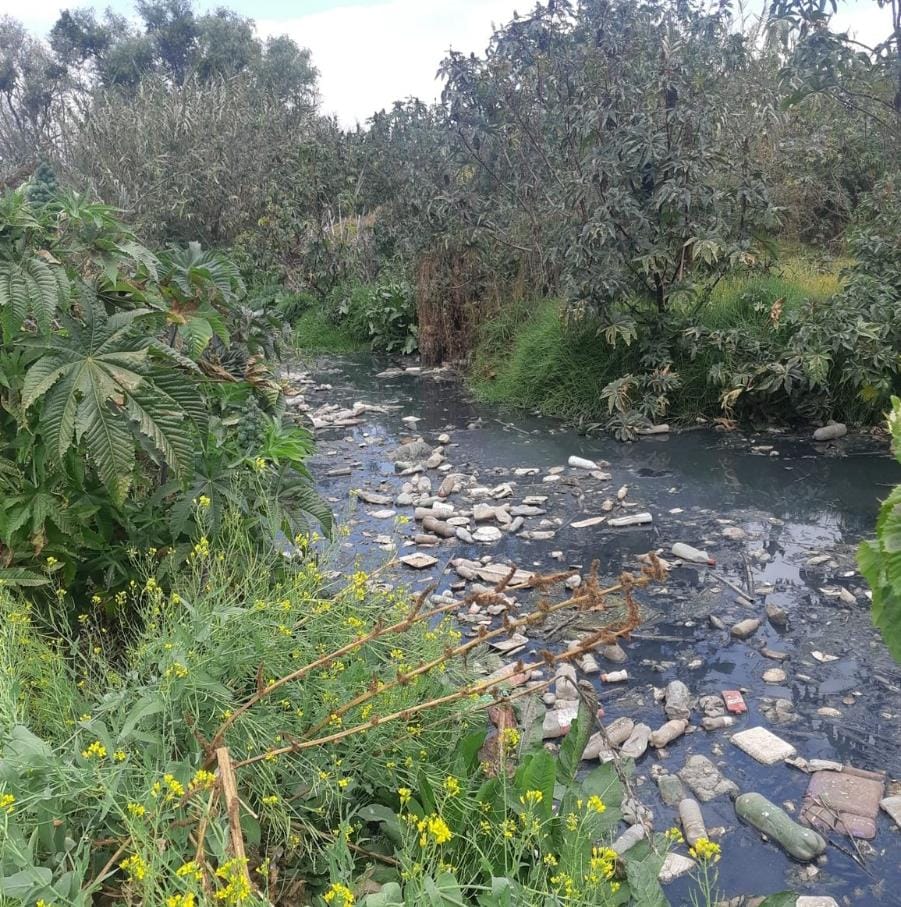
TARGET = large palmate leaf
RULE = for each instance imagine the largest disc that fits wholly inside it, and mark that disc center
(31, 285)
(100, 388)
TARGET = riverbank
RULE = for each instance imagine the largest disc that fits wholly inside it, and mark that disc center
(741, 356)
(780, 516)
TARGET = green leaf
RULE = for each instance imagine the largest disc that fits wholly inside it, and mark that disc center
(391, 895)
(19, 576)
(443, 891)
(20, 884)
(573, 745)
(782, 899)
(642, 876)
(538, 772)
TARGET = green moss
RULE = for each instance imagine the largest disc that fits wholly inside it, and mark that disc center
(314, 333)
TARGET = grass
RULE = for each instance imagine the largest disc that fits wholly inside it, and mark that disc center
(314, 333)
(105, 734)
(794, 281)
(527, 356)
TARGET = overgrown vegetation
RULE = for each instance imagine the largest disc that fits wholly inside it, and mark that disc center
(194, 709)
(123, 376)
(880, 559)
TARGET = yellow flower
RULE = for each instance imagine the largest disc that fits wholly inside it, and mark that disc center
(532, 797)
(602, 865)
(563, 881)
(202, 780)
(174, 788)
(673, 835)
(203, 502)
(42, 903)
(181, 900)
(340, 894)
(95, 751)
(508, 828)
(190, 870)
(177, 669)
(434, 827)
(510, 737)
(404, 793)
(137, 810)
(270, 799)
(705, 850)
(202, 548)
(7, 804)
(343, 783)
(596, 804)
(237, 888)
(452, 786)
(135, 867)
(572, 821)
(549, 860)
(259, 464)
(120, 755)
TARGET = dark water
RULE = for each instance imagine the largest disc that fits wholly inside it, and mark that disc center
(808, 500)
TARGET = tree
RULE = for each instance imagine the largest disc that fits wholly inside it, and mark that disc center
(612, 142)
(32, 97)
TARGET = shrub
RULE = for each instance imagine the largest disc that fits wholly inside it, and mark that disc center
(880, 559)
(106, 731)
(123, 377)
(384, 315)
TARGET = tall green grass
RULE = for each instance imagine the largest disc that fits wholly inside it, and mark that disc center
(315, 333)
(529, 356)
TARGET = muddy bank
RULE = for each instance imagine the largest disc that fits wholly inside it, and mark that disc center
(780, 516)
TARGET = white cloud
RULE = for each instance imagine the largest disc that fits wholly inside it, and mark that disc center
(37, 15)
(370, 56)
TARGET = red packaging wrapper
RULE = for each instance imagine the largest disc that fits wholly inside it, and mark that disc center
(735, 702)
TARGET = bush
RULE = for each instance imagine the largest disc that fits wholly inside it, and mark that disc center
(880, 559)
(124, 376)
(797, 342)
(384, 315)
(106, 732)
(245, 730)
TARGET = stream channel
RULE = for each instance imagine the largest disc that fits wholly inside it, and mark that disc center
(778, 513)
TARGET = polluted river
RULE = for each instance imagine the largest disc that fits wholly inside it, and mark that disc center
(777, 613)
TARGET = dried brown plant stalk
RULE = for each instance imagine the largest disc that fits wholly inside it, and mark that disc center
(593, 598)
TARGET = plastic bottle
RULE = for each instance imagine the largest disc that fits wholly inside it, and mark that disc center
(694, 555)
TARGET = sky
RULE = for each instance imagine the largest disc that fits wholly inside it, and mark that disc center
(372, 52)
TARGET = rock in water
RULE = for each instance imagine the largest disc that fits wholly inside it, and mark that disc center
(674, 866)
(637, 743)
(704, 778)
(678, 700)
(412, 451)
(892, 805)
(803, 844)
(418, 561)
(671, 790)
(745, 628)
(830, 432)
(668, 732)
